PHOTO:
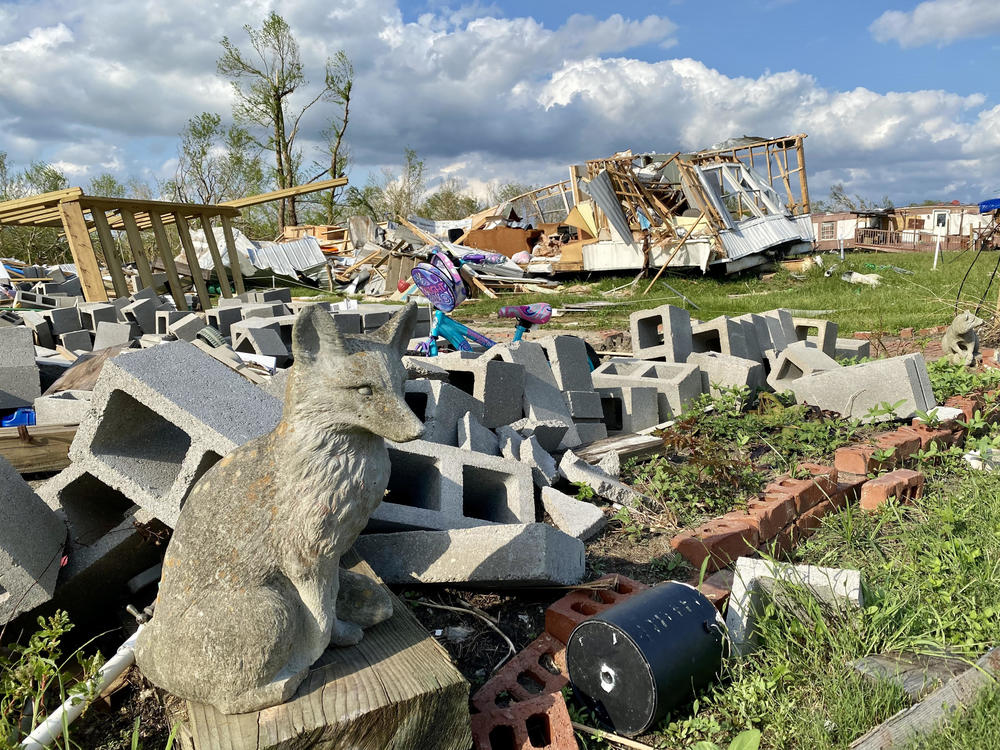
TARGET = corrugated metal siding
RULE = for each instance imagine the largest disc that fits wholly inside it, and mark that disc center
(288, 257)
(754, 235)
(603, 193)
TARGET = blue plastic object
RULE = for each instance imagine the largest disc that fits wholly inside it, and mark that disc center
(991, 205)
(24, 417)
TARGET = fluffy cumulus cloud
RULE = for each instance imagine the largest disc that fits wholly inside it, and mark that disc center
(479, 96)
(938, 22)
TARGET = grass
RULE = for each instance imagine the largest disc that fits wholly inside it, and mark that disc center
(922, 299)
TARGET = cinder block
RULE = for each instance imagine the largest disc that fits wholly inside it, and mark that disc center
(543, 467)
(754, 346)
(854, 391)
(853, 348)
(64, 407)
(723, 335)
(757, 581)
(434, 486)
(663, 333)
(584, 404)
(590, 431)
(76, 341)
(63, 319)
(549, 433)
(574, 517)
(221, 318)
(502, 556)
(92, 313)
(575, 469)
(798, 360)
(283, 295)
(154, 430)
(472, 436)
(781, 328)
(348, 322)
(264, 342)
(826, 333)
(568, 361)
(542, 722)
(19, 382)
(110, 540)
(722, 371)
(186, 328)
(142, 312)
(39, 325)
(266, 310)
(39, 301)
(440, 406)
(629, 408)
(543, 662)
(677, 384)
(497, 384)
(31, 545)
(164, 318)
(115, 334)
(543, 399)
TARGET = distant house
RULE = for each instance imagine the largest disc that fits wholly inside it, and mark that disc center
(901, 229)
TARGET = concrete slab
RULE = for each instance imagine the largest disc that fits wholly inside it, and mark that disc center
(509, 555)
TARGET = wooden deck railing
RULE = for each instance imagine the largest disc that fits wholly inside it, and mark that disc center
(891, 240)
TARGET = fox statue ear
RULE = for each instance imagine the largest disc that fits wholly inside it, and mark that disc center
(315, 335)
(398, 330)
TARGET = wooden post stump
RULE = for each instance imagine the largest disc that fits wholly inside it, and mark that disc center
(396, 689)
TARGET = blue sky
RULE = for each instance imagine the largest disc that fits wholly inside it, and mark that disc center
(897, 98)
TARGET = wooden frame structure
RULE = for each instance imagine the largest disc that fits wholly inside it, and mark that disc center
(78, 214)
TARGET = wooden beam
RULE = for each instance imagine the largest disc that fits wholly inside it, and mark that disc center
(213, 249)
(111, 259)
(37, 448)
(44, 199)
(234, 256)
(184, 233)
(275, 195)
(137, 248)
(157, 207)
(84, 257)
(163, 250)
(677, 249)
(803, 183)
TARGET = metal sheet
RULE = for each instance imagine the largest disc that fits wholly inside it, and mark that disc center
(288, 257)
(604, 196)
(756, 235)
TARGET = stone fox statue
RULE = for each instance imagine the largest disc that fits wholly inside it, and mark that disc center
(249, 594)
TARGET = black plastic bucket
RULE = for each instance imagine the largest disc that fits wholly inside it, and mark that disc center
(635, 661)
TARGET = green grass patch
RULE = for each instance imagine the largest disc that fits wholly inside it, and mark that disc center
(922, 299)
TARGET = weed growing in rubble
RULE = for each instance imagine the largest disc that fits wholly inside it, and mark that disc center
(34, 678)
(948, 379)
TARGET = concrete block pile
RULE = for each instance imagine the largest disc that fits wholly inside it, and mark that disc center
(773, 351)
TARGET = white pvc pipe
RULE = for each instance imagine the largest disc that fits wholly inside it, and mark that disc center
(50, 729)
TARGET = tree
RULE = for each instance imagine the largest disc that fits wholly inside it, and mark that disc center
(392, 195)
(107, 186)
(340, 81)
(449, 202)
(31, 244)
(264, 81)
(839, 201)
(501, 192)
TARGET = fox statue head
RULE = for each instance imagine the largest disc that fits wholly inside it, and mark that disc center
(351, 383)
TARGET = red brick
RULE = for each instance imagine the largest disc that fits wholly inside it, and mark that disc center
(856, 459)
(716, 587)
(903, 484)
(903, 444)
(771, 514)
(848, 489)
(539, 668)
(806, 492)
(782, 546)
(927, 331)
(863, 335)
(968, 404)
(579, 605)
(906, 333)
(941, 435)
(809, 521)
(721, 541)
(541, 722)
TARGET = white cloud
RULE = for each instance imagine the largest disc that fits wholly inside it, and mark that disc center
(479, 97)
(938, 22)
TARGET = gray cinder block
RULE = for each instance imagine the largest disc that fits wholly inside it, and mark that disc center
(583, 404)
(722, 371)
(543, 467)
(76, 341)
(677, 384)
(433, 486)
(265, 342)
(64, 407)
(222, 317)
(164, 318)
(19, 381)
(31, 545)
(509, 555)
(629, 408)
(473, 436)
(663, 333)
(440, 406)
(571, 516)
(186, 327)
(154, 429)
(92, 313)
(590, 430)
(497, 384)
(724, 335)
(853, 391)
(853, 348)
(543, 400)
(142, 312)
(115, 334)
(39, 325)
(756, 580)
(568, 361)
(549, 433)
(826, 333)
(575, 469)
(781, 328)
(796, 361)
(63, 319)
